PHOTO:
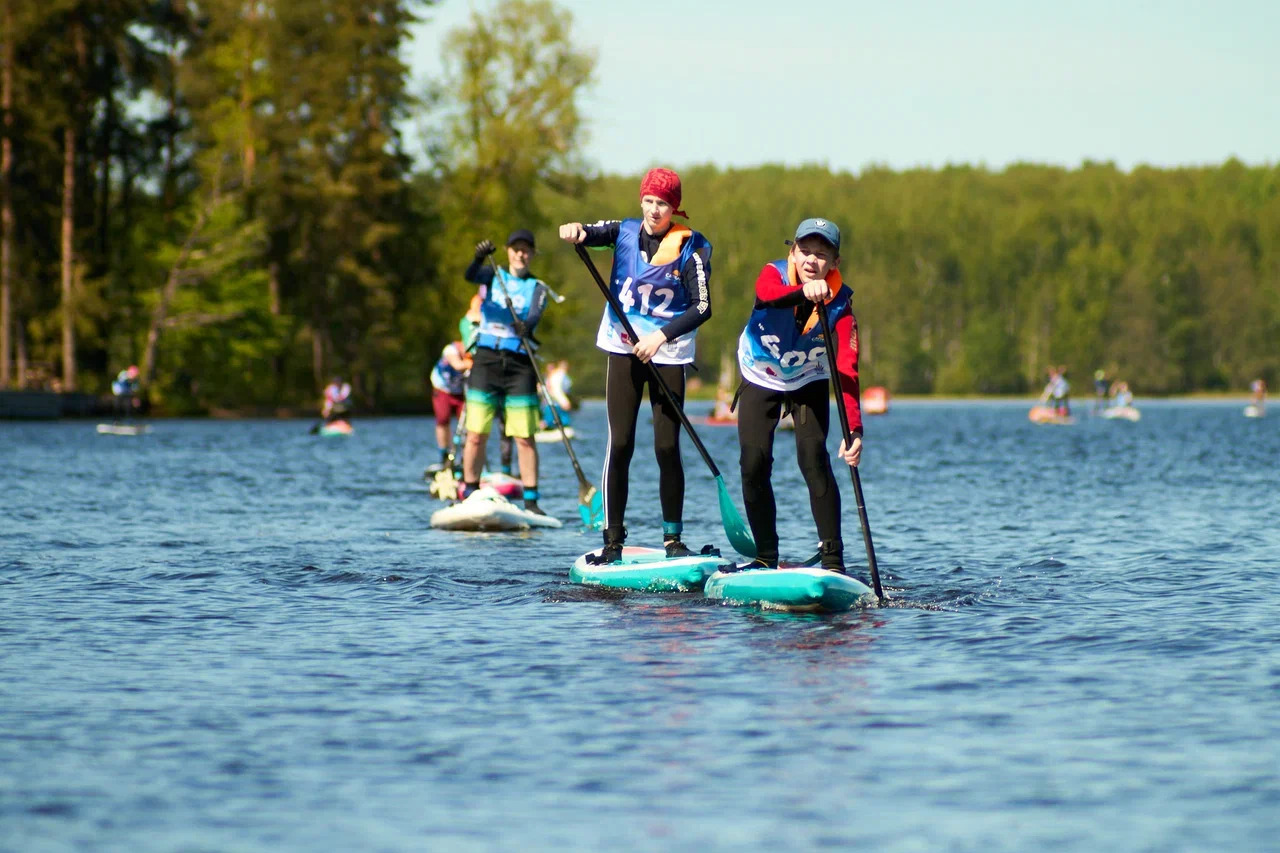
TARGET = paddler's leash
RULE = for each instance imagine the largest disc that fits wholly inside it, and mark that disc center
(734, 527)
(590, 500)
(848, 442)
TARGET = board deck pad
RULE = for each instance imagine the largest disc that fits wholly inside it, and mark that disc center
(789, 587)
(649, 570)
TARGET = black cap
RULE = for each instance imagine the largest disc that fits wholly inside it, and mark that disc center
(522, 234)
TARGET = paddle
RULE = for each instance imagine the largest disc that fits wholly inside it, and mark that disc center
(444, 484)
(847, 437)
(590, 499)
(734, 527)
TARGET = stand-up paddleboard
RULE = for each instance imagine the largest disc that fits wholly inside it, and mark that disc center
(648, 569)
(1253, 411)
(1047, 415)
(337, 428)
(488, 511)
(123, 429)
(1126, 413)
(549, 436)
(802, 589)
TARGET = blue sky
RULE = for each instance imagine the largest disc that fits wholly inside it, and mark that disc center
(904, 82)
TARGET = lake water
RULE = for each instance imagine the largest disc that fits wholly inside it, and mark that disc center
(233, 636)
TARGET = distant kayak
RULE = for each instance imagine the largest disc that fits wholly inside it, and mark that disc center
(488, 511)
(1046, 415)
(648, 569)
(546, 436)
(123, 429)
(794, 588)
(337, 428)
(1254, 411)
(1127, 413)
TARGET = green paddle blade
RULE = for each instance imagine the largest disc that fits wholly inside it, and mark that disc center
(734, 527)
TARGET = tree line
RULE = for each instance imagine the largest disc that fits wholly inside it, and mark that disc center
(221, 192)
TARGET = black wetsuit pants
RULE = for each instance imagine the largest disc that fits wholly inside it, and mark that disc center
(625, 379)
(758, 412)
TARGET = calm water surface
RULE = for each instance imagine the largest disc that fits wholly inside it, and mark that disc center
(235, 636)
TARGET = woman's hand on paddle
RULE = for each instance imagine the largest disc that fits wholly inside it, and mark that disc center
(816, 290)
(853, 454)
(573, 232)
(648, 346)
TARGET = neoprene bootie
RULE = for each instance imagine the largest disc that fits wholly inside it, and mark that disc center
(832, 555)
(612, 550)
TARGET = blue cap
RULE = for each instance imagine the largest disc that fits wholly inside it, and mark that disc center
(824, 228)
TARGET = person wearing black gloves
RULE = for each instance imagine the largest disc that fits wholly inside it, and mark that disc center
(502, 374)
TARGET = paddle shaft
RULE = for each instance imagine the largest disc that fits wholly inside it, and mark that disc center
(555, 413)
(653, 370)
(829, 340)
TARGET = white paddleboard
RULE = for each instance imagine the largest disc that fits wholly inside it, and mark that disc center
(488, 511)
(1252, 412)
(123, 429)
(1127, 413)
(548, 436)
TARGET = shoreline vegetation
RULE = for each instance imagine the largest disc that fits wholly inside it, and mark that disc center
(212, 194)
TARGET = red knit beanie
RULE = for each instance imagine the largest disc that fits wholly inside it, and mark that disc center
(665, 184)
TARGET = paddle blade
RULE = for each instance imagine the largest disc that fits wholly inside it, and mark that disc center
(734, 527)
(591, 507)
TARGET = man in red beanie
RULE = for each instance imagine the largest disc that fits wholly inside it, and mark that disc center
(661, 276)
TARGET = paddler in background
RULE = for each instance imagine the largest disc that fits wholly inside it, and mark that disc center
(1121, 396)
(469, 327)
(1057, 391)
(558, 386)
(1258, 394)
(1100, 387)
(502, 375)
(661, 275)
(783, 360)
(448, 390)
(337, 395)
(124, 392)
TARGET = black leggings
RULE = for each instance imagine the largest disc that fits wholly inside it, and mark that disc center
(625, 378)
(758, 412)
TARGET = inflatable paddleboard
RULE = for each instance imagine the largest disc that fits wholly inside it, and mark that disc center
(799, 589)
(123, 429)
(1128, 413)
(336, 428)
(1249, 412)
(1046, 415)
(488, 511)
(648, 569)
(550, 436)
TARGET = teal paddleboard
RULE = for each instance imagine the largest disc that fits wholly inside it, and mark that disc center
(800, 589)
(648, 569)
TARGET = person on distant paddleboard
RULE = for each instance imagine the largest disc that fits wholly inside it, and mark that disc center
(1121, 396)
(1056, 391)
(1100, 387)
(124, 391)
(448, 390)
(502, 374)
(558, 387)
(337, 397)
(661, 276)
(783, 361)
(1258, 393)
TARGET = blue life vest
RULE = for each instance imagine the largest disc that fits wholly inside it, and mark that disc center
(448, 378)
(651, 292)
(495, 331)
(774, 354)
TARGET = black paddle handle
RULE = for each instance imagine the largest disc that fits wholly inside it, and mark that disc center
(830, 342)
(537, 374)
(653, 369)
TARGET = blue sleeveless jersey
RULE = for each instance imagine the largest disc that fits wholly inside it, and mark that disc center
(774, 354)
(651, 293)
(448, 378)
(495, 330)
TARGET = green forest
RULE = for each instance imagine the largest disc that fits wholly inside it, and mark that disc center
(222, 193)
